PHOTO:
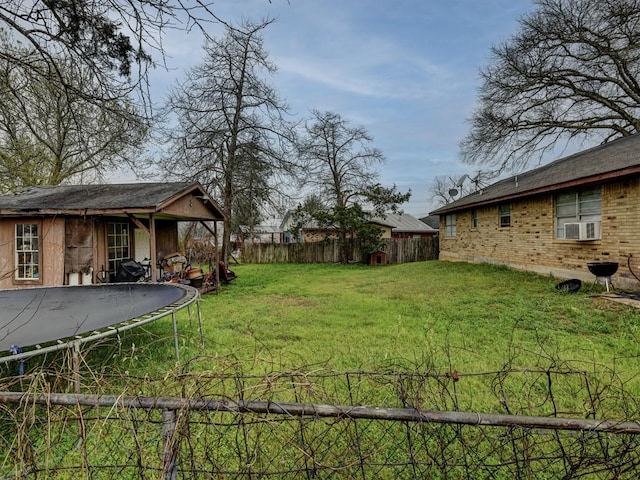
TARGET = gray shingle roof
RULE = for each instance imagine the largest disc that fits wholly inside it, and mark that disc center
(432, 220)
(139, 196)
(106, 196)
(615, 159)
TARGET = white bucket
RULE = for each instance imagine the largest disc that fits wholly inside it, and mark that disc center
(74, 278)
(87, 278)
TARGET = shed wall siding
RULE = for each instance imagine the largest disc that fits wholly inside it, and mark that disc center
(530, 244)
(52, 251)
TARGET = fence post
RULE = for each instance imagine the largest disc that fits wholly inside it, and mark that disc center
(170, 466)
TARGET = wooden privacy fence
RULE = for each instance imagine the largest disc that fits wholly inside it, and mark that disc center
(398, 250)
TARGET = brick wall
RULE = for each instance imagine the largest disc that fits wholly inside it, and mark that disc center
(530, 244)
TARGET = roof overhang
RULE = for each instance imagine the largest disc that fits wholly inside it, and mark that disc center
(192, 203)
(475, 200)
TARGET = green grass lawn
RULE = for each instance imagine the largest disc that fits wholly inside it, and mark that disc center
(472, 318)
(434, 317)
(431, 335)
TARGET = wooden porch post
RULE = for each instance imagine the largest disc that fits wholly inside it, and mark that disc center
(153, 248)
(151, 233)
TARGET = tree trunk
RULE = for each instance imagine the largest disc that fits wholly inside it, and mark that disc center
(228, 210)
(344, 248)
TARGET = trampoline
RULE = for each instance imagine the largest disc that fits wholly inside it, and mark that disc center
(42, 319)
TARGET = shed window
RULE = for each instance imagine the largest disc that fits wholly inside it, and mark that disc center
(118, 244)
(505, 215)
(578, 206)
(474, 218)
(450, 225)
(27, 254)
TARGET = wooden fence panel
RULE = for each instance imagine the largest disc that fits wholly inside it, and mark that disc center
(398, 250)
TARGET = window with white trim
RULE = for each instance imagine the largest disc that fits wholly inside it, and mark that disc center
(450, 225)
(474, 218)
(118, 244)
(577, 206)
(27, 252)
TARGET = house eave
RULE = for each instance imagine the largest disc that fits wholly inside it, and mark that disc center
(580, 182)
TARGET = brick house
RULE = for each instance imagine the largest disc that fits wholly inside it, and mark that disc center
(556, 218)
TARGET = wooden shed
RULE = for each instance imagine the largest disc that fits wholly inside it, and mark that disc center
(55, 235)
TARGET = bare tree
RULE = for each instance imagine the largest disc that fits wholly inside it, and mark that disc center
(339, 162)
(111, 40)
(339, 159)
(94, 55)
(569, 74)
(446, 188)
(231, 133)
(49, 134)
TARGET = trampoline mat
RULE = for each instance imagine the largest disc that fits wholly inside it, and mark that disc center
(33, 316)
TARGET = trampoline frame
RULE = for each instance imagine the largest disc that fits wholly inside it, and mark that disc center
(192, 295)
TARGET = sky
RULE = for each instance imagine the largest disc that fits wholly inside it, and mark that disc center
(406, 70)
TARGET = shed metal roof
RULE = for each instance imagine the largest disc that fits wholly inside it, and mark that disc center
(605, 162)
(403, 222)
(398, 222)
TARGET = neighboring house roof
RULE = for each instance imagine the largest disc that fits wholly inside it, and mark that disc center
(398, 222)
(257, 229)
(102, 199)
(403, 223)
(597, 165)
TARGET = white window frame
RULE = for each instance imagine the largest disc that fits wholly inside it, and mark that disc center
(118, 243)
(27, 251)
(474, 218)
(583, 205)
(450, 225)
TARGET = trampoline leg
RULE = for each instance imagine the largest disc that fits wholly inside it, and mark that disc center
(175, 335)
(200, 322)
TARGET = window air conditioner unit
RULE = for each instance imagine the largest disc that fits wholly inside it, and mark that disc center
(582, 231)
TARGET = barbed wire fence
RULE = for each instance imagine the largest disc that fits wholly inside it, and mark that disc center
(553, 422)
